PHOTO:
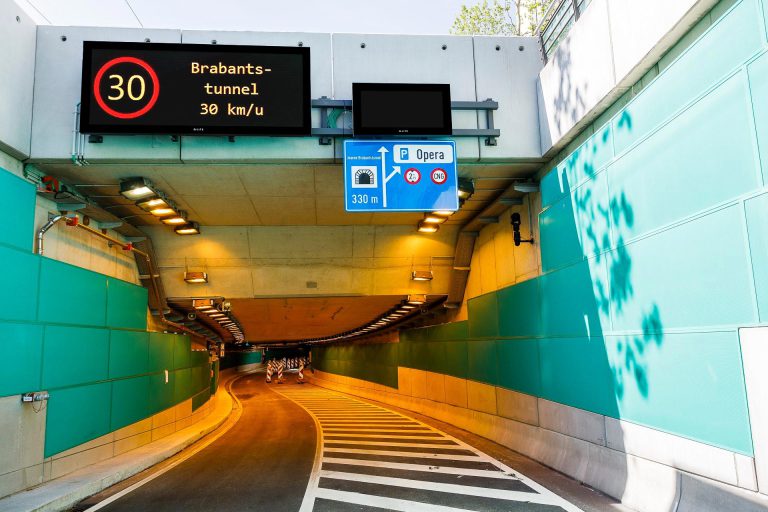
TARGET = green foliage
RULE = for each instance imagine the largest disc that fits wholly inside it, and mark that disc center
(506, 18)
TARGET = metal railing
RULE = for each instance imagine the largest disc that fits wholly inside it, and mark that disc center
(557, 22)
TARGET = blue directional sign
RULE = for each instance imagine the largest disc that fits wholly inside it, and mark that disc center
(400, 176)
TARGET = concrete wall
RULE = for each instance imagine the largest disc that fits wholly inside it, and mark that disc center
(279, 261)
(605, 53)
(474, 67)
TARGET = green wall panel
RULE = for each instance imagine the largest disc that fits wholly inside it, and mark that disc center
(697, 274)
(559, 235)
(128, 353)
(554, 185)
(24, 343)
(482, 361)
(730, 42)
(757, 225)
(592, 211)
(126, 305)
(183, 385)
(456, 359)
(584, 162)
(518, 365)
(129, 401)
(182, 348)
(71, 295)
(689, 384)
(74, 355)
(161, 347)
(576, 372)
(19, 198)
(758, 80)
(682, 164)
(200, 399)
(483, 316)
(22, 279)
(161, 394)
(76, 415)
(520, 309)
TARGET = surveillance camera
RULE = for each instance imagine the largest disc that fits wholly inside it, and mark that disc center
(191, 316)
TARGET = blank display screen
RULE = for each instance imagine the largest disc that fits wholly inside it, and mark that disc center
(401, 109)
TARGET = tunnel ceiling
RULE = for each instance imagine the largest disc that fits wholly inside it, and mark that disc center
(264, 195)
(301, 318)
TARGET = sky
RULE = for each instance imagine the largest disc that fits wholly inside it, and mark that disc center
(352, 16)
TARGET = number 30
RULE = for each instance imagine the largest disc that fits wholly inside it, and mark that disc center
(119, 88)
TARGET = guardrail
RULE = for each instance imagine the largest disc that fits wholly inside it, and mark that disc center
(557, 22)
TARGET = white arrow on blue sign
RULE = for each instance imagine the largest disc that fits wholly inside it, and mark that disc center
(400, 176)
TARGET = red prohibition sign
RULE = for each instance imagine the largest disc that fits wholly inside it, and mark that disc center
(129, 115)
(439, 176)
(412, 176)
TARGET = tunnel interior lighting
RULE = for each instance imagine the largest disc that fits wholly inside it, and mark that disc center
(152, 203)
(217, 315)
(202, 303)
(175, 219)
(196, 277)
(431, 218)
(163, 211)
(417, 299)
(190, 228)
(422, 275)
(466, 188)
(426, 227)
(136, 189)
(443, 213)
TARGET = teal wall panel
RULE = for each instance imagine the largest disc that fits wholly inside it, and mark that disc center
(758, 80)
(181, 352)
(736, 37)
(456, 358)
(584, 162)
(757, 225)
(575, 371)
(76, 415)
(592, 210)
(559, 235)
(128, 353)
(519, 309)
(19, 198)
(688, 384)
(129, 403)
(126, 304)
(695, 275)
(569, 304)
(682, 164)
(183, 385)
(483, 316)
(518, 365)
(24, 343)
(74, 355)
(483, 361)
(71, 295)
(22, 278)
(161, 347)
(554, 186)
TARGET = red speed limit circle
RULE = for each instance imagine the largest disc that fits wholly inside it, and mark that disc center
(439, 176)
(123, 60)
(412, 176)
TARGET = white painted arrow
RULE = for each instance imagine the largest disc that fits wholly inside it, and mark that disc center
(386, 178)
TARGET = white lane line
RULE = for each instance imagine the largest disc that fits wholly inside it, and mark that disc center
(237, 411)
(417, 455)
(355, 435)
(447, 470)
(384, 443)
(383, 502)
(464, 490)
(384, 431)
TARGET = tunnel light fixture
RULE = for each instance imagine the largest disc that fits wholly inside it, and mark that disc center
(466, 188)
(152, 203)
(426, 227)
(417, 299)
(526, 187)
(443, 213)
(202, 303)
(196, 277)
(217, 315)
(163, 211)
(431, 218)
(407, 306)
(190, 228)
(403, 311)
(175, 219)
(136, 189)
(421, 275)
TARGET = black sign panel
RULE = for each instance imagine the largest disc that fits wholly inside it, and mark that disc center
(401, 109)
(195, 89)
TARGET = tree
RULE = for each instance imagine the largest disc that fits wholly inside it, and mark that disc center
(505, 18)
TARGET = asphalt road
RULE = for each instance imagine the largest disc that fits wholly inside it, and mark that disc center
(262, 463)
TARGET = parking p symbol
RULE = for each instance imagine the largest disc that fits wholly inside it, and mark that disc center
(403, 153)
